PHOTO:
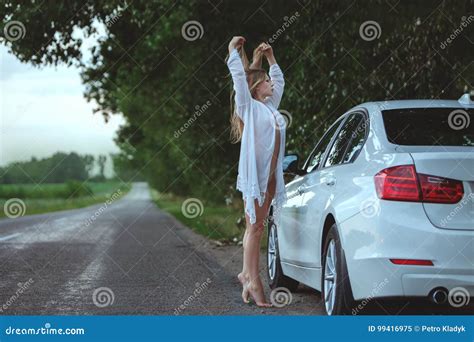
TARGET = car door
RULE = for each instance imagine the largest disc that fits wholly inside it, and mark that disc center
(299, 243)
(289, 220)
(322, 187)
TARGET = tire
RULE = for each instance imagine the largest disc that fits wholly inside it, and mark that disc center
(276, 278)
(340, 299)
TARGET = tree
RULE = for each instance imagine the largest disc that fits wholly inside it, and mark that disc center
(160, 75)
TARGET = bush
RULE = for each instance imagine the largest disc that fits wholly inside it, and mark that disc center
(76, 189)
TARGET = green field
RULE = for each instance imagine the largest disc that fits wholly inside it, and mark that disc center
(53, 197)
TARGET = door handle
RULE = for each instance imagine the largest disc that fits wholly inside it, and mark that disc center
(301, 189)
(331, 181)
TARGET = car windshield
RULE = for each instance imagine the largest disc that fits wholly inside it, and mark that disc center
(430, 126)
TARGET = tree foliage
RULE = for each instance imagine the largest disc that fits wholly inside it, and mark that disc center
(147, 70)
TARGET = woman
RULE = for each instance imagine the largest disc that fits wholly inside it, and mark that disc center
(256, 122)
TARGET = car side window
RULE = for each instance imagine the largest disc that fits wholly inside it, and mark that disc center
(357, 142)
(318, 153)
(338, 149)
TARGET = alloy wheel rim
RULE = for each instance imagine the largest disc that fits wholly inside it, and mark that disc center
(330, 278)
(271, 252)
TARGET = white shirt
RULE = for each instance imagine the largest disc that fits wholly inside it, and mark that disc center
(258, 138)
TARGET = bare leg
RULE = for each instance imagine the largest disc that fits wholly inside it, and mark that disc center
(254, 286)
(249, 277)
(244, 276)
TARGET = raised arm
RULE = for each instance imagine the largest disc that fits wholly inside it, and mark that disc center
(276, 75)
(242, 93)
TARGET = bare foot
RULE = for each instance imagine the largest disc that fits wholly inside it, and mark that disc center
(245, 294)
(244, 278)
(255, 289)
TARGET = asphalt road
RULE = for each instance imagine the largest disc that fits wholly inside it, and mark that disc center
(131, 258)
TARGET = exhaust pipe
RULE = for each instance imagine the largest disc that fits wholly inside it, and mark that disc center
(439, 295)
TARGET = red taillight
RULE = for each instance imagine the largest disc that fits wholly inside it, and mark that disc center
(440, 190)
(398, 183)
(402, 183)
(412, 262)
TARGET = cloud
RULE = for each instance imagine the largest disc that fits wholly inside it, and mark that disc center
(44, 111)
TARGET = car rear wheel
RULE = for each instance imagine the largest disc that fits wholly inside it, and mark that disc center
(336, 288)
(276, 278)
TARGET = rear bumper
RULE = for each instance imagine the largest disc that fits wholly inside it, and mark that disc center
(422, 284)
(401, 230)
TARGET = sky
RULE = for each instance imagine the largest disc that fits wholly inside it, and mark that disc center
(43, 111)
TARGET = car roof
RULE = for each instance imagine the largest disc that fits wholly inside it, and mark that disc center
(401, 104)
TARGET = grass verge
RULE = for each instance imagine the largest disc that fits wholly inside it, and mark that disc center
(224, 224)
(215, 222)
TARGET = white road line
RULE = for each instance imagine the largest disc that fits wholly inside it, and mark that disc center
(11, 236)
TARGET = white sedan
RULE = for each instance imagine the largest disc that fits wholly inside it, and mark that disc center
(383, 207)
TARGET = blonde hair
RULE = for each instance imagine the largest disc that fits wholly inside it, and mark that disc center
(254, 77)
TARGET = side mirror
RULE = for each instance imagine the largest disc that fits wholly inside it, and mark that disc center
(290, 164)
